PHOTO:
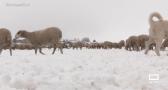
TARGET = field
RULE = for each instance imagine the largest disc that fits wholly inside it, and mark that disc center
(113, 69)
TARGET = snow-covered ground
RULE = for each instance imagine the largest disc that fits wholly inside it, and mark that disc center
(83, 70)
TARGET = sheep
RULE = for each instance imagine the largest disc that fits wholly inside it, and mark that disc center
(90, 45)
(138, 42)
(99, 45)
(59, 45)
(5, 40)
(94, 45)
(141, 41)
(110, 45)
(107, 45)
(121, 44)
(49, 36)
(65, 44)
(132, 43)
(76, 45)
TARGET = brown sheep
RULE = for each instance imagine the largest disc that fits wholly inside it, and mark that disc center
(86, 45)
(92, 45)
(121, 44)
(138, 43)
(141, 41)
(59, 45)
(5, 40)
(76, 45)
(132, 43)
(107, 45)
(95, 45)
(49, 36)
(115, 45)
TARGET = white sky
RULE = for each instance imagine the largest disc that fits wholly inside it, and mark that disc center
(102, 20)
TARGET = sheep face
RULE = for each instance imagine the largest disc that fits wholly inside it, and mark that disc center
(20, 34)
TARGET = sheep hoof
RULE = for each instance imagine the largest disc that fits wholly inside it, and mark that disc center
(42, 53)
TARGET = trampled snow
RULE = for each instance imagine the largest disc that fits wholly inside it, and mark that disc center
(87, 69)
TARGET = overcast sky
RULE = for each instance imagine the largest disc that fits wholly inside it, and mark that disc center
(102, 20)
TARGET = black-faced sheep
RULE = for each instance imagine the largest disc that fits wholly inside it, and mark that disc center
(49, 36)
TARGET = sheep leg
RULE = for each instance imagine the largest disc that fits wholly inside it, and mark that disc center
(40, 50)
(0, 51)
(54, 50)
(35, 51)
(61, 50)
(137, 48)
(10, 49)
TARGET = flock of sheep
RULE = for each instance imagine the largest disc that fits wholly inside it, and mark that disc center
(51, 38)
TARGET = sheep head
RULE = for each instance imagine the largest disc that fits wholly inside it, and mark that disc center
(21, 33)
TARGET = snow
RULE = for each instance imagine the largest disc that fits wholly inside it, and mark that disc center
(87, 69)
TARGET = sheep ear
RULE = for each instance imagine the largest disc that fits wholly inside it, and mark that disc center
(19, 33)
